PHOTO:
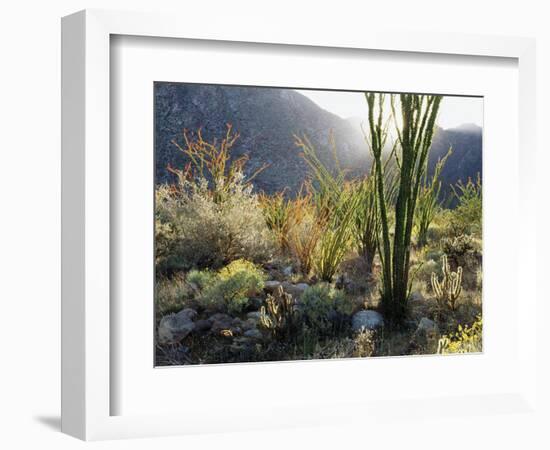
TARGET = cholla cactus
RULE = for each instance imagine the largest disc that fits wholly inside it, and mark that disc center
(280, 315)
(449, 288)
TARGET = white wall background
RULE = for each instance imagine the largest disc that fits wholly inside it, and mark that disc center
(30, 198)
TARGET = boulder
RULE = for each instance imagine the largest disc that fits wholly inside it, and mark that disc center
(249, 324)
(253, 333)
(287, 271)
(271, 286)
(202, 326)
(296, 290)
(416, 297)
(367, 319)
(426, 336)
(220, 322)
(254, 315)
(175, 327)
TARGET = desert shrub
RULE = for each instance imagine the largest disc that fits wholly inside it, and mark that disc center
(201, 278)
(467, 339)
(364, 344)
(305, 231)
(425, 270)
(321, 304)
(233, 286)
(278, 216)
(467, 216)
(464, 251)
(210, 217)
(171, 295)
(196, 231)
(457, 247)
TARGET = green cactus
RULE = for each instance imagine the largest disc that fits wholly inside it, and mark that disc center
(280, 315)
(449, 288)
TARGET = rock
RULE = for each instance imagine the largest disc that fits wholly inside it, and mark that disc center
(253, 333)
(427, 325)
(296, 290)
(368, 320)
(220, 317)
(248, 324)
(255, 303)
(203, 325)
(254, 315)
(174, 327)
(271, 286)
(221, 322)
(416, 297)
(426, 336)
(190, 313)
(287, 271)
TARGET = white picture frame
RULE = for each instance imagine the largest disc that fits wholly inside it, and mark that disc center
(87, 354)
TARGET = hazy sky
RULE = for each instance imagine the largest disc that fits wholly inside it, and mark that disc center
(453, 111)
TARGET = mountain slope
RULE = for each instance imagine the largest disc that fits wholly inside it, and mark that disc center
(267, 119)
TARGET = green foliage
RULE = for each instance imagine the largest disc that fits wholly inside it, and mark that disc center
(201, 278)
(468, 339)
(280, 316)
(336, 238)
(447, 291)
(317, 304)
(427, 205)
(231, 288)
(458, 246)
(171, 295)
(366, 223)
(467, 217)
(336, 203)
(410, 151)
(325, 186)
(278, 216)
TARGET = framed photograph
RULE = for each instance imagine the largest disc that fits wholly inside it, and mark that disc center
(281, 225)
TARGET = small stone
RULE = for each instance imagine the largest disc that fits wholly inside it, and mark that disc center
(367, 319)
(253, 333)
(416, 297)
(287, 271)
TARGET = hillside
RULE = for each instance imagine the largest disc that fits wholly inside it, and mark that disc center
(267, 119)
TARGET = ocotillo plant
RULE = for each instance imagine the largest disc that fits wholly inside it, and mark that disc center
(211, 160)
(414, 137)
(428, 201)
(449, 288)
(367, 223)
(337, 237)
(277, 212)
